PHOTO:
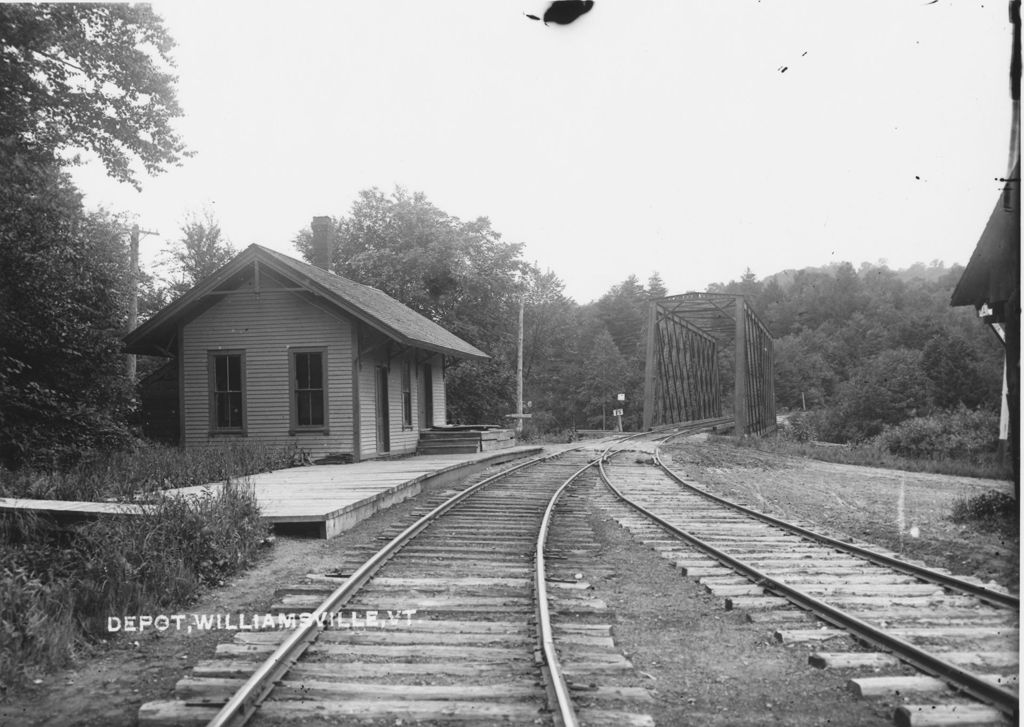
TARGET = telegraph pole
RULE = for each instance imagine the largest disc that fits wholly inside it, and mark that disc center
(133, 297)
(519, 416)
(519, 370)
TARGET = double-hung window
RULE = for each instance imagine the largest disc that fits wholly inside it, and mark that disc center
(406, 394)
(227, 392)
(308, 390)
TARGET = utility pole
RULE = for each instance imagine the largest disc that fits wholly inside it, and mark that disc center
(519, 371)
(519, 416)
(133, 297)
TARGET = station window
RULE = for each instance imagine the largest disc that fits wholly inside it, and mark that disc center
(406, 394)
(308, 390)
(227, 392)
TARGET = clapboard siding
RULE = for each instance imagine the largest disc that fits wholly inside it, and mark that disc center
(367, 407)
(266, 328)
(403, 439)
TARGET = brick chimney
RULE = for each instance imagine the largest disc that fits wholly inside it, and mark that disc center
(321, 242)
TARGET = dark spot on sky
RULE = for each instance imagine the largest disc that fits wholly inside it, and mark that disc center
(563, 12)
(783, 69)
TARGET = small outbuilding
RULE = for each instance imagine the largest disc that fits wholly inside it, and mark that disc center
(275, 350)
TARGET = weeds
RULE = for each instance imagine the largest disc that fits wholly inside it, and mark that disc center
(145, 469)
(58, 584)
(959, 434)
(958, 442)
(991, 511)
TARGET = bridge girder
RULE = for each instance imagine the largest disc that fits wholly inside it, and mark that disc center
(681, 383)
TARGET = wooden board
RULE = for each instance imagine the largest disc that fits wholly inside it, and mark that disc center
(335, 496)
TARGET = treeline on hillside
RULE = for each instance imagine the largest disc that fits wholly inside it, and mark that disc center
(872, 347)
(866, 347)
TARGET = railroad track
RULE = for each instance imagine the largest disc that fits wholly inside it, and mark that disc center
(960, 637)
(457, 619)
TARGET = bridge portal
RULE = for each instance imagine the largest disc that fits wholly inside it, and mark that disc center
(688, 336)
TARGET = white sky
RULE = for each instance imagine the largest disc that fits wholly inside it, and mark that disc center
(646, 136)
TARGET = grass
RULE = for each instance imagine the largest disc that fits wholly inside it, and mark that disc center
(146, 469)
(59, 584)
(958, 441)
(992, 511)
(987, 465)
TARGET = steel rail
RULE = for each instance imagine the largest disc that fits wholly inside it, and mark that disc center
(989, 595)
(566, 710)
(242, 705)
(247, 699)
(963, 680)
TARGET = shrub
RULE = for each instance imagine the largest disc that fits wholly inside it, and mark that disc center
(801, 426)
(36, 609)
(956, 434)
(992, 511)
(138, 564)
(885, 389)
(147, 468)
(59, 585)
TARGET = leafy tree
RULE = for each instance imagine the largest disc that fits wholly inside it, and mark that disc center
(885, 389)
(623, 310)
(602, 371)
(459, 274)
(63, 299)
(953, 375)
(198, 252)
(835, 326)
(801, 375)
(88, 76)
(75, 78)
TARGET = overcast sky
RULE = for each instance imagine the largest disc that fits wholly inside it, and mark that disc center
(693, 138)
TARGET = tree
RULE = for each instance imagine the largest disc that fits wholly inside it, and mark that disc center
(601, 373)
(74, 77)
(461, 275)
(550, 352)
(953, 374)
(63, 292)
(84, 76)
(623, 310)
(885, 389)
(656, 286)
(198, 253)
(801, 374)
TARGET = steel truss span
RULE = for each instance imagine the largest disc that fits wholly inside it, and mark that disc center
(685, 336)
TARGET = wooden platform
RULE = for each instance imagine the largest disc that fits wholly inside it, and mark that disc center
(327, 498)
(69, 509)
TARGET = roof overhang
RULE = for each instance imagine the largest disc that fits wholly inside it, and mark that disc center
(157, 336)
(993, 272)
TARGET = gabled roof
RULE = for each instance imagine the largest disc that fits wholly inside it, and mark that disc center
(369, 305)
(993, 272)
